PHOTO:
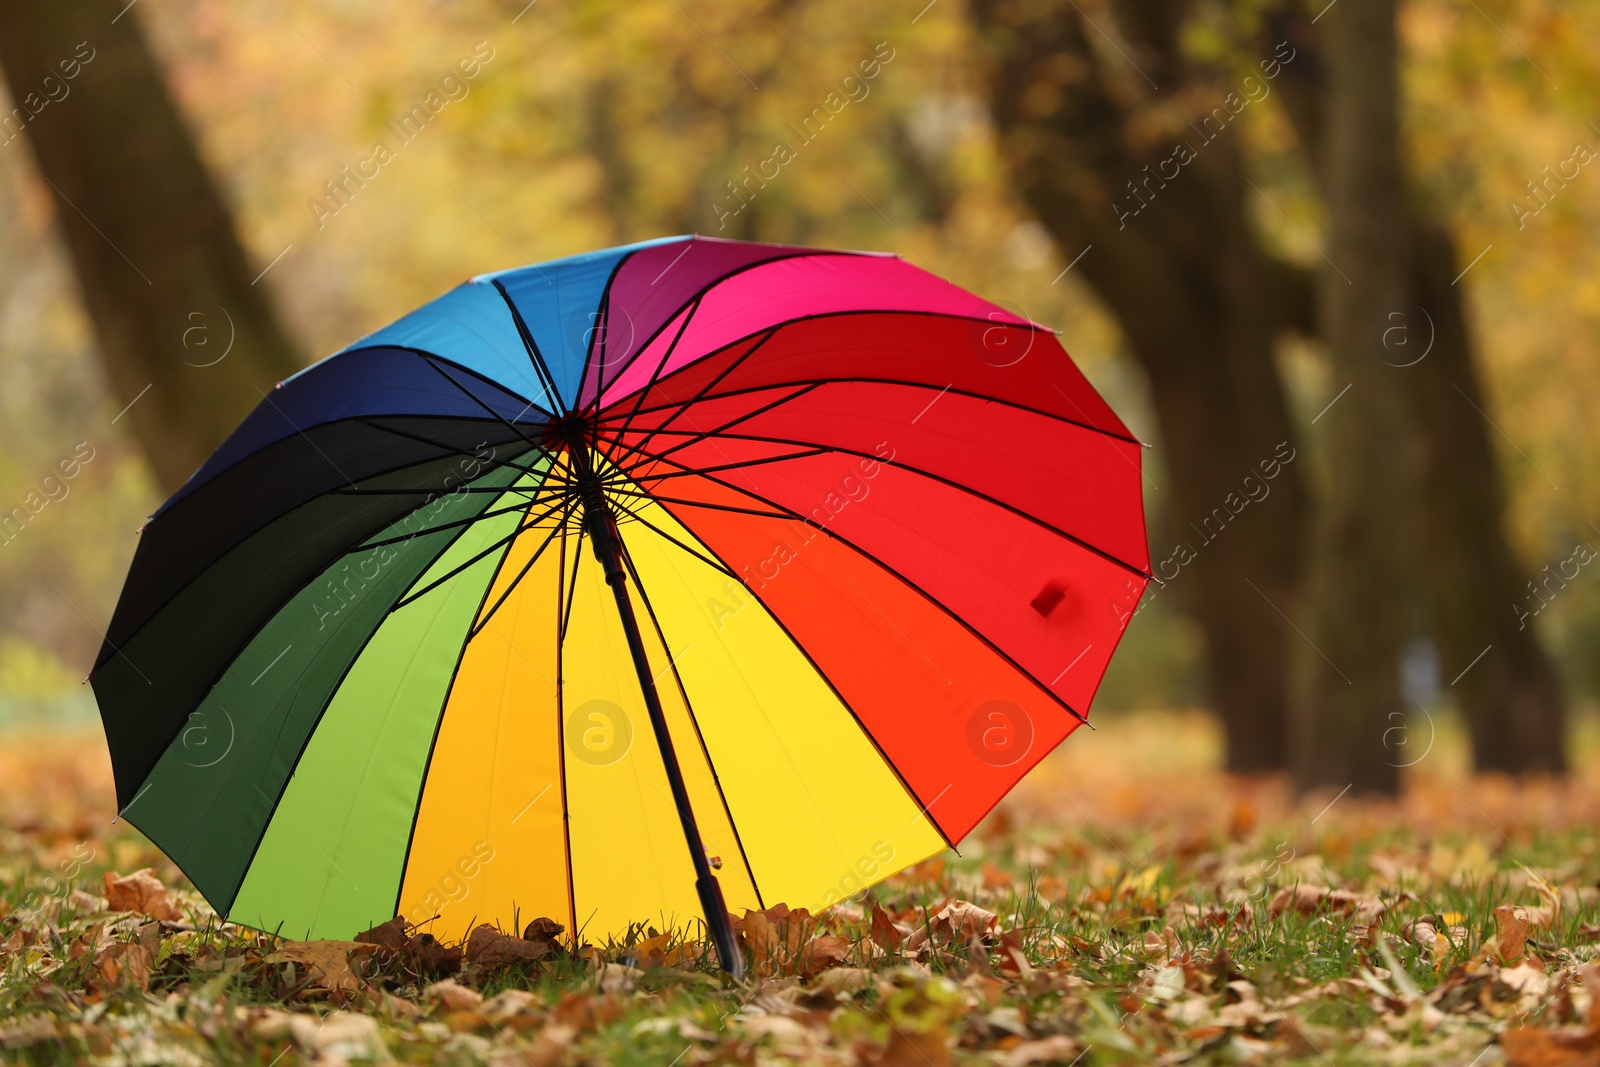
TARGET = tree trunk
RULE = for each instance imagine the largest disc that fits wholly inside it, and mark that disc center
(1173, 257)
(1499, 675)
(1504, 683)
(1350, 665)
(187, 339)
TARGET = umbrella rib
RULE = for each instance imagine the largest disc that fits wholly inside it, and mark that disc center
(366, 420)
(705, 389)
(710, 507)
(476, 399)
(431, 494)
(789, 514)
(438, 728)
(707, 560)
(834, 689)
(561, 723)
(694, 721)
(806, 453)
(534, 355)
(655, 374)
(431, 586)
(476, 630)
(311, 732)
(572, 592)
(772, 329)
(762, 410)
(683, 470)
(769, 386)
(523, 507)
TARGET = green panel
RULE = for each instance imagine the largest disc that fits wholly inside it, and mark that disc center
(209, 798)
(332, 858)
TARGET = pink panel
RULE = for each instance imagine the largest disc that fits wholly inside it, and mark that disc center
(804, 287)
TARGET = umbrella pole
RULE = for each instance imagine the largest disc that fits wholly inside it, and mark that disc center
(601, 523)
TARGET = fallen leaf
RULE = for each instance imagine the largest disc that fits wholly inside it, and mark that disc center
(543, 929)
(885, 934)
(1572, 1046)
(1511, 933)
(957, 923)
(327, 963)
(392, 934)
(913, 1050)
(33, 1030)
(454, 997)
(774, 935)
(821, 953)
(490, 948)
(1309, 899)
(346, 1035)
(421, 954)
(142, 892)
(124, 963)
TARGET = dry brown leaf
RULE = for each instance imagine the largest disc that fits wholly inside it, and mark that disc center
(1511, 933)
(491, 948)
(585, 1011)
(327, 963)
(142, 892)
(913, 1050)
(1547, 915)
(454, 997)
(821, 953)
(1013, 960)
(32, 1030)
(957, 923)
(885, 934)
(1309, 899)
(124, 963)
(421, 954)
(391, 935)
(1570, 1046)
(543, 929)
(775, 935)
(844, 981)
(344, 1035)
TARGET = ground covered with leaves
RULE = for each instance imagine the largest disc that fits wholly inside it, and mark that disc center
(1126, 905)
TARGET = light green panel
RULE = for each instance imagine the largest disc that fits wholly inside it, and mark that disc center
(330, 863)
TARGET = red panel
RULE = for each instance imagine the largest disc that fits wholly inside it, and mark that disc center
(960, 724)
(1081, 482)
(1054, 608)
(1016, 364)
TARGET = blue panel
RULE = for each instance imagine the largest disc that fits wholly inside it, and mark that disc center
(366, 382)
(559, 302)
(472, 326)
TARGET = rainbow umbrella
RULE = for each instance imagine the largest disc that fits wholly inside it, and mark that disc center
(860, 546)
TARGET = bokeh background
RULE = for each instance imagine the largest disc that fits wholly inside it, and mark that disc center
(590, 123)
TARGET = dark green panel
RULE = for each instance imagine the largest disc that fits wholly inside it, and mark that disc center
(212, 792)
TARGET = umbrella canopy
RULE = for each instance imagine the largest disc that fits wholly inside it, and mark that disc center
(860, 548)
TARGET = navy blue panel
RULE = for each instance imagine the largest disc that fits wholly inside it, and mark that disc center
(472, 326)
(363, 382)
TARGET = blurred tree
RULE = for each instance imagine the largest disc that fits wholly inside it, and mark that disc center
(1358, 574)
(165, 281)
(1510, 697)
(1132, 167)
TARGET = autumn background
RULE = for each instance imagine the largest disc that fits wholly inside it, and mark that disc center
(1340, 280)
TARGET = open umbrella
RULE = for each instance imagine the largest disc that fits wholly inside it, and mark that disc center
(860, 546)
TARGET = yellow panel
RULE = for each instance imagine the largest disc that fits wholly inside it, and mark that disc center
(630, 862)
(820, 813)
(489, 844)
(705, 798)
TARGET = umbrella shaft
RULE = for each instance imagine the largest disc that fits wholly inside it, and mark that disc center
(601, 523)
